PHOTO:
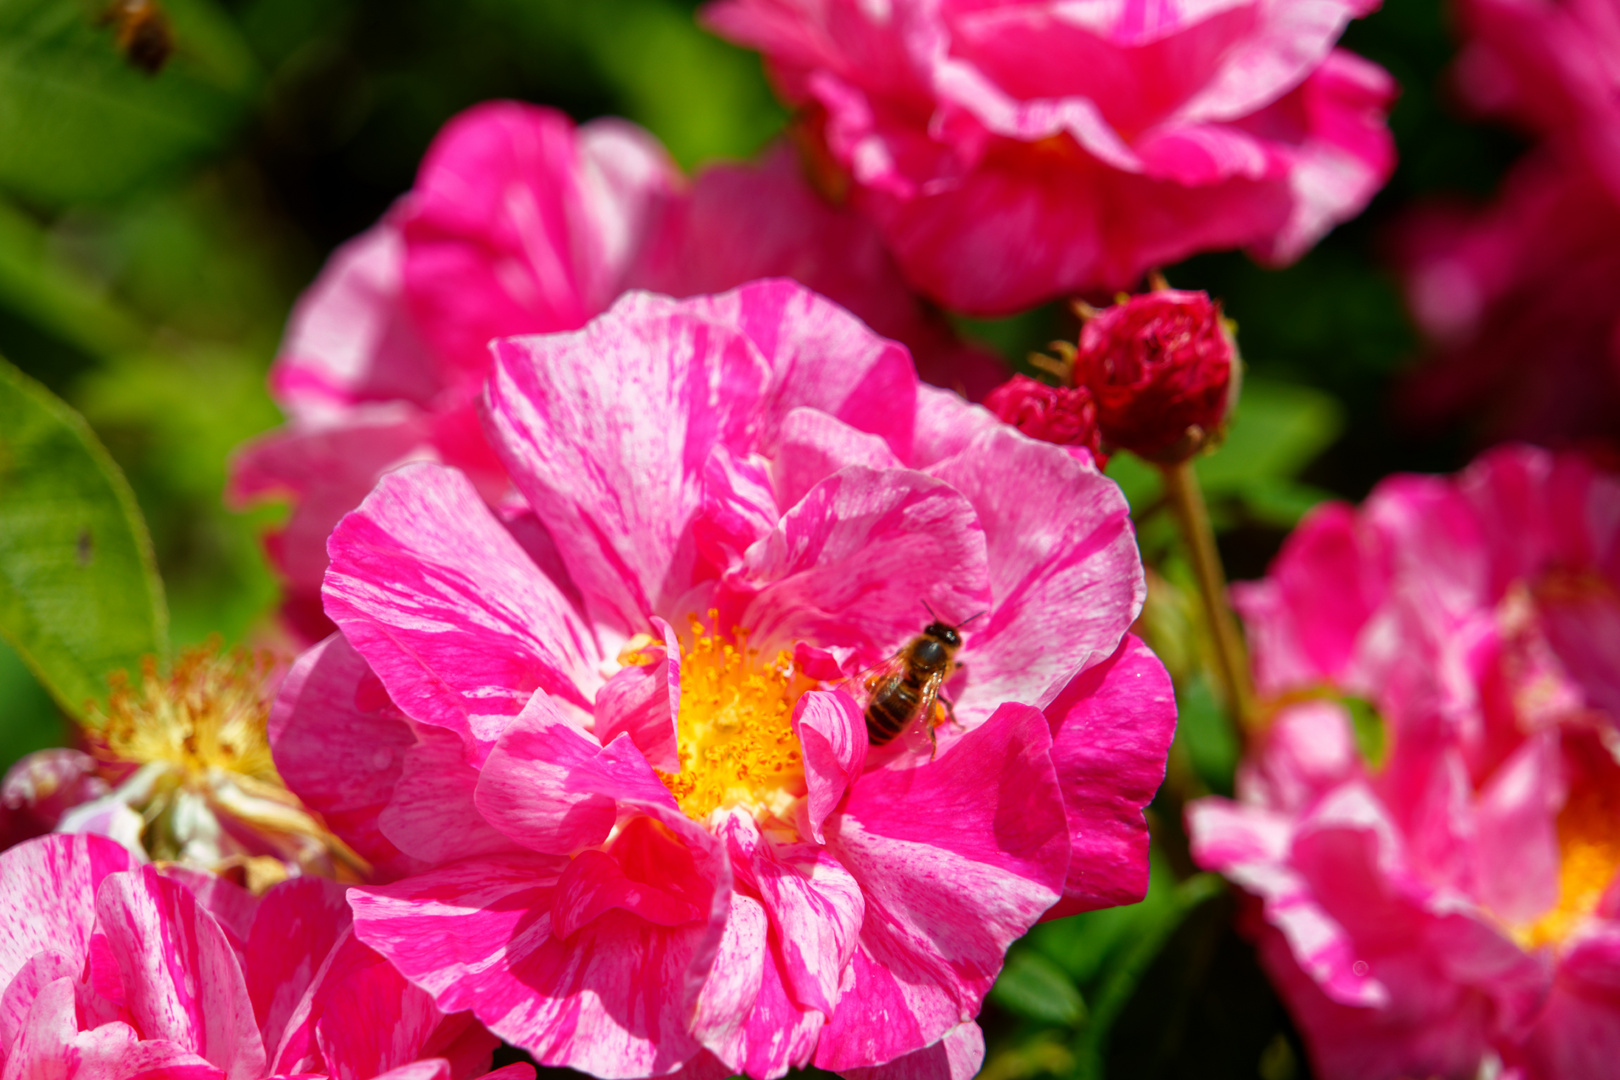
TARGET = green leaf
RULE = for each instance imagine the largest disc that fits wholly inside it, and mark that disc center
(53, 296)
(1372, 737)
(1034, 987)
(79, 591)
(1203, 728)
(79, 122)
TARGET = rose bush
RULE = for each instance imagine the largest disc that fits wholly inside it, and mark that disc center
(610, 750)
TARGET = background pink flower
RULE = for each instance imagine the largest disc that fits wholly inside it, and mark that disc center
(1013, 152)
(640, 820)
(521, 223)
(112, 970)
(1448, 892)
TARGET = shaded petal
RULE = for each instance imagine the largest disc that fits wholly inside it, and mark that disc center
(607, 432)
(448, 610)
(1516, 842)
(853, 562)
(433, 815)
(729, 993)
(832, 735)
(947, 424)
(813, 445)
(298, 924)
(552, 788)
(1111, 732)
(1066, 578)
(182, 980)
(339, 744)
(641, 699)
(957, 1056)
(957, 859)
(737, 508)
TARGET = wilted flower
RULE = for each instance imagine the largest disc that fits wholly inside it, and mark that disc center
(1013, 152)
(1432, 820)
(117, 971)
(179, 770)
(521, 223)
(1065, 415)
(620, 737)
(1162, 368)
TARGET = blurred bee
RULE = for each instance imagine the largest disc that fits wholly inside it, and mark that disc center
(142, 32)
(905, 688)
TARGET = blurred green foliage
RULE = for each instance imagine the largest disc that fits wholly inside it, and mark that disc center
(155, 230)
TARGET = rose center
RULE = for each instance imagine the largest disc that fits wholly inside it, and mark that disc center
(1589, 856)
(735, 731)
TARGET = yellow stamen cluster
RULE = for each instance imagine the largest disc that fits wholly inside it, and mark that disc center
(1589, 849)
(737, 746)
(209, 712)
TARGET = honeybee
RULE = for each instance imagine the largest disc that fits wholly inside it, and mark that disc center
(141, 30)
(905, 687)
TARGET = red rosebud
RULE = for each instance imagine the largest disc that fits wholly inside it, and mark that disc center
(1065, 415)
(1161, 369)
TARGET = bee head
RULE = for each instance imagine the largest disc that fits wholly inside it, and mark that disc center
(943, 633)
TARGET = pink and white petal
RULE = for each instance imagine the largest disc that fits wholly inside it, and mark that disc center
(612, 1000)
(31, 980)
(449, 611)
(437, 1069)
(641, 699)
(1066, 579)
(957, 1056)
(852, 564)
(1111, 732)
(349, 338)
(823, 358)
(607, 432)
(812, 445)
(737, 508)
(519, 223)
(729, 994)
(780, 1034)
(51, 1047)
(182, 980)
(947, 424)
(957, 859)
(339, 744)
(48, 896)
(298, 1050)
(555, 789)
(232, 906)
(39, 787)
(299, 922)
(832, 737)
(815, 908)
(433, 815)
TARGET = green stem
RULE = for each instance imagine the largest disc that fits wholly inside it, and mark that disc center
(1187, 499)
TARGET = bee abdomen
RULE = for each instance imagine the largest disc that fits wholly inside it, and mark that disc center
(888, 714)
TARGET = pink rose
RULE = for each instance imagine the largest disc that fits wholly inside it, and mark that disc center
(1161, 368)
(1431, 822)
(115, 971)
(620, 739)
(1017, 151)
(1065, 415)
(522, 223)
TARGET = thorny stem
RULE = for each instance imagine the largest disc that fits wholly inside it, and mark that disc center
(1187, 499)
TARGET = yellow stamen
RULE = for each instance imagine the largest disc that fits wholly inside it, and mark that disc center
(1589, 849)
(737, 746)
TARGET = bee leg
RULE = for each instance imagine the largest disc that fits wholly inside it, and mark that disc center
(933, 743)
(950, 712)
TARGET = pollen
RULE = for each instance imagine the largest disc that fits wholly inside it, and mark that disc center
(210, 711)
(736, 741)
(1589, 849)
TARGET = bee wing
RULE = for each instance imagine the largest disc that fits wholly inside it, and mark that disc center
(879, 676)
(929, 696)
